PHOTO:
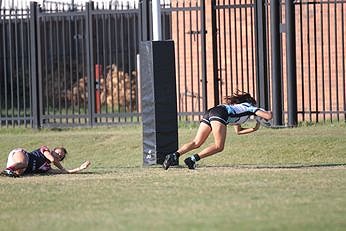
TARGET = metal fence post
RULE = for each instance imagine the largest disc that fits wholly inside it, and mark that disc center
(204, 57)
(276, 62)
(144, 20)
(35, 109)
(261, 56)
(90, 63)
(291, 64)
(215, 60)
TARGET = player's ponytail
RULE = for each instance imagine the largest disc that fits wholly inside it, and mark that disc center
(239, 97)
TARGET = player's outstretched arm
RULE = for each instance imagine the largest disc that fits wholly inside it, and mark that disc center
(83, 166)
(267, 115)
(239, 130)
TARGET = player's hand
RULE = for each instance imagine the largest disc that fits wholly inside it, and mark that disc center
(85, 165)
(263, 122)
(257, 126)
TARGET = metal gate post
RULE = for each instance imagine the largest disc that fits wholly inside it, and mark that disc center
(204, 57)
(35, 109)
(90, 63)
(261, 56)
(144, 25)
(291, 64)
(276, 62)
(215, 60)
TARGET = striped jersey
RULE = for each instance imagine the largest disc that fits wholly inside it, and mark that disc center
(239, 113)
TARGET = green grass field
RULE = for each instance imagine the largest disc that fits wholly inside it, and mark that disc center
(274, 179)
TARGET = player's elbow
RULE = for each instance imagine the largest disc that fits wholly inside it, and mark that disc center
(64, 171)
(51, 159)
(239, 131)
(269, 115)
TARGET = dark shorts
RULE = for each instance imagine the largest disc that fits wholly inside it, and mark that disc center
(218, 113)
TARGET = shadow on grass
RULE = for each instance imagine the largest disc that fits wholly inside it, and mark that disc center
(235, 166)
(52, 174)
(285, 166)
(56, 174)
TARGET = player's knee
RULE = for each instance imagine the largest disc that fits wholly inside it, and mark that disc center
(20, 171)
(219, 147)
(196, 143)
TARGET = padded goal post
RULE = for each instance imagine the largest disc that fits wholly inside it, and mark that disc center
(158, 100)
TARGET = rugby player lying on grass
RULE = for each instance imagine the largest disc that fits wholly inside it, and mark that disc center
(21, 162)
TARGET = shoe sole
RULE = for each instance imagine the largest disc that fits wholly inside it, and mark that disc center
(190, 167)
(166, 163)
(9, 175)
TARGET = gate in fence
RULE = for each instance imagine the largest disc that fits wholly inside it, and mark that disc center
(67, 67)
(90, 78)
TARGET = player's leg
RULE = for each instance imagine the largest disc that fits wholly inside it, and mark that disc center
(201, 135)
(17, 162)
(219, 132)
